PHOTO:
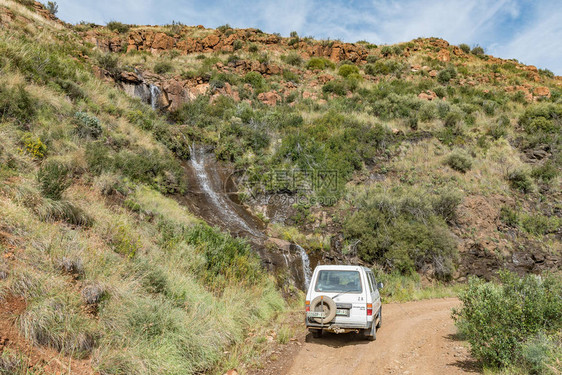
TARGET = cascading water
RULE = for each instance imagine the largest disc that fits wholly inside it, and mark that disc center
(154, 95)
(228, 215)
(307, 272)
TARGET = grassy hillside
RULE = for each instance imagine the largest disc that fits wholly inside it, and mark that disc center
(109, 266)
(448, 164)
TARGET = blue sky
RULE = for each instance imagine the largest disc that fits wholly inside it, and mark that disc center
(528, 30)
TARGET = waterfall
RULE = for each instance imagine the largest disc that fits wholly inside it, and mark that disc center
(228, 215)
(154, 95)
(307, 272)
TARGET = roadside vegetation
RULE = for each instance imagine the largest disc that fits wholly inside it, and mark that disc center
(514, 325)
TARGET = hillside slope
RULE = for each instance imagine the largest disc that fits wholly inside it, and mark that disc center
(426, 161)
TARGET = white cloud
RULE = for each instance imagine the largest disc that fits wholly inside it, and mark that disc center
(540, 43)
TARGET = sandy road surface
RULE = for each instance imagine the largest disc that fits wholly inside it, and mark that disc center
(415, 338)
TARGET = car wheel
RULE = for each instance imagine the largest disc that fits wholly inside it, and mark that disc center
(379, 324)
(316, 333)
(370, 333)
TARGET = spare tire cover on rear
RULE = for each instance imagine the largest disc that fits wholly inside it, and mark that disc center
(329, 308)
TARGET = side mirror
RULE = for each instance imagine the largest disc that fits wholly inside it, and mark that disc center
(380, 285)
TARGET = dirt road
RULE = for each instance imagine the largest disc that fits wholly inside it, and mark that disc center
(415, 338)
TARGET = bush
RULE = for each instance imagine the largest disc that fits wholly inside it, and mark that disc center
(53, 179)
(347, 69)
(459, 161)
(500, 320)
(546, 172)
(118, 27)
(386, 51)
(34, 146)
(337, 87)
(383, 67)
(73, 91)
(253, 48)
(371, 59)
(255, 79)
(317, 63)
(52, 7)
(163, 67)
(520, 180)
(452, 119)
(17, 104)
(464, 47)
(238, 44)
(87, 126)
(290, 76)
(403, 231)
(478, 51)
(110, 63)
(447, 74)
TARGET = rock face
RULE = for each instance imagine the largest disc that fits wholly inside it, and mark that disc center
(270, 98)
(427, 95)
(542, 92)
(146, 39)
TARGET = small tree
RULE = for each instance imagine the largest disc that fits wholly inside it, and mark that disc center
(53, 7)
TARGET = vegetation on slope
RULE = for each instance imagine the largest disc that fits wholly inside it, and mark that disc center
(110, 267)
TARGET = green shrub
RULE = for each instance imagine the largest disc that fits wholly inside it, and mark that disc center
(87, 126)
(335, 86)
(16, 104)
(318, 63)
(464, 47)
(546, 73)
(52, 7)
(110, 63)
(539, 224)
(383, 67)
(73, 90)
(520, 180)
(347, 69)
(238, 44)
(97, 158)
(447, 74)
(53, 178)
(459, 161)
(546, 172)
(452, 119)
(255, 79)
(404, 231)
(118, 27)
(163, 67)
(371, 59)
(290, 76)
(499, 129)
(225, 255)
(509, 216)
(34, 146)
(386, 51)
(477, 50)
(253, 48)
(499, 320)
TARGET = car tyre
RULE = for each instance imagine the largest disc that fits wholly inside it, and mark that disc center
(379, 324)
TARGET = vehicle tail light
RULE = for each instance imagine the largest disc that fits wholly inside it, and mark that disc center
(307, 306)
(369, 309)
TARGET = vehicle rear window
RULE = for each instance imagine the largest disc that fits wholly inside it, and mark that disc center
(338, 281)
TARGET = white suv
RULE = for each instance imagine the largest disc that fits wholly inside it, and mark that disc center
(343, 299)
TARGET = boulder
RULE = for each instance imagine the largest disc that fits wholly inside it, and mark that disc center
(162, 42)
(444, 55)
(433, 73)
(270, 98)
(427, 95)
(542, 91)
